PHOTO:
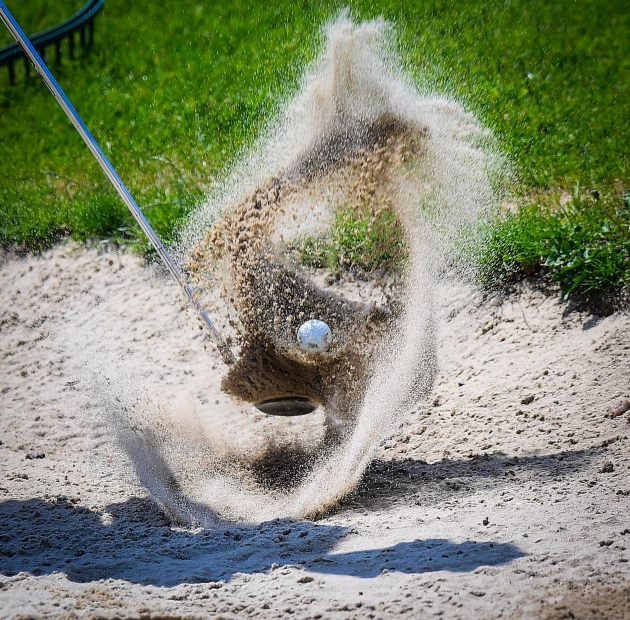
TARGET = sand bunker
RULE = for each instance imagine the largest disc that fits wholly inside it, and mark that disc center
(550, 477)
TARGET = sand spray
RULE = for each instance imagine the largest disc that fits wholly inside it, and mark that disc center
(357, 124)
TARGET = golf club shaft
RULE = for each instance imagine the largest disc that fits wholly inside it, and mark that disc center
(112, 175)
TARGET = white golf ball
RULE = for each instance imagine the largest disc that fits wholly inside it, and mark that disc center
(314, 336)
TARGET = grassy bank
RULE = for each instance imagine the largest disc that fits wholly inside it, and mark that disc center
(173, 91)
(582, 241)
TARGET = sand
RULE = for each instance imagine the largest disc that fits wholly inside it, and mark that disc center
(505, 494)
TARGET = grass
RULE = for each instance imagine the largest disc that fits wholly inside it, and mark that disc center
(40, 15)
(174, 90)
(186, 88)
(584, 244)
(359, 239)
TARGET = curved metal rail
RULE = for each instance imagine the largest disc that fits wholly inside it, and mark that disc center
(82, 22)
(112, 175)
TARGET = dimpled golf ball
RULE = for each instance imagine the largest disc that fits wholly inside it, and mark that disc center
(314, 336)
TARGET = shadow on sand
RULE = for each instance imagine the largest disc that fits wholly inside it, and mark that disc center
(133, 542)
(388, 482)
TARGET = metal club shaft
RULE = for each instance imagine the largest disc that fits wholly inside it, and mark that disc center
(112, 175)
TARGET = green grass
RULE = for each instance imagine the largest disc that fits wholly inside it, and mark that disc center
(584, 244)
(174, 90)
(358, 239)
(40, 15)
(171, 92)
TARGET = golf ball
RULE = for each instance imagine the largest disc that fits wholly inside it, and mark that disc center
(314, 336)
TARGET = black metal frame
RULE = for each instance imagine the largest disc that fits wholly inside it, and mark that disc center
(82, 21)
